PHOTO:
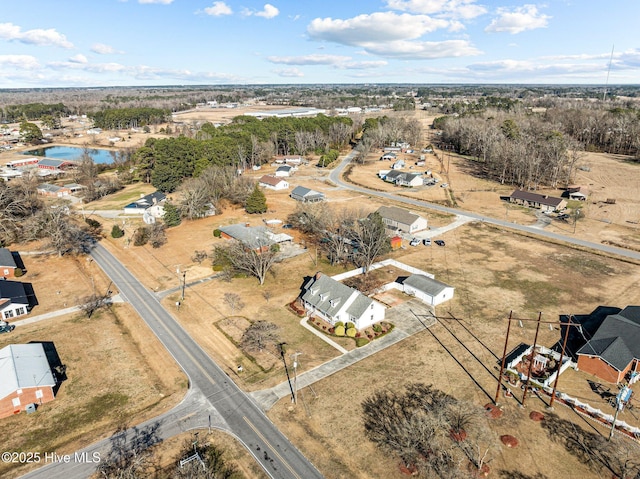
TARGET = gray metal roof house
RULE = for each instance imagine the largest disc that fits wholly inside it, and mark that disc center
(25, 377)
(306, 195)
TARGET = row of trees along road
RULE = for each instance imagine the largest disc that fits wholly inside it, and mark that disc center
(242, 144)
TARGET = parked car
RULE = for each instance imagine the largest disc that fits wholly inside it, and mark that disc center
(439, 242)
(6, 327)
(287, 226)
(427, 241)
(414, 242)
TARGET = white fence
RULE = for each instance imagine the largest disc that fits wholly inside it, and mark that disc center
(381, 264)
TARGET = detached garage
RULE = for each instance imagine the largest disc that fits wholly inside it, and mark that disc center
(429, 290)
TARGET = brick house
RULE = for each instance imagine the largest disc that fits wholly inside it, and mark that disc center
(25, 378)
(8, 264)
(614, 349)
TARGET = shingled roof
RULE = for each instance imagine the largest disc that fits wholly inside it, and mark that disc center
(535, 198)
(617, 340)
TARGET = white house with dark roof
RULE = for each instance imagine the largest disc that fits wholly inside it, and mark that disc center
(273, 183)
(428, 290)
(396, 218)
(25, 378)
(14, 300)
(152, 202)
(404, 178)
(306, 195)
(333, 301)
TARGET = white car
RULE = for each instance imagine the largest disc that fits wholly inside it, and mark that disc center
(414, 242)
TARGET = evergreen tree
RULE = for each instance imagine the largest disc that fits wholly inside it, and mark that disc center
(256, 202)
(117, 232)
(30, 132)
(171, 215)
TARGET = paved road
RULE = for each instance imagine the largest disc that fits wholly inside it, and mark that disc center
(335, 177)
(214, 393)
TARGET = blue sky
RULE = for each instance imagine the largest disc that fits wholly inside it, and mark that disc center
(67, 43)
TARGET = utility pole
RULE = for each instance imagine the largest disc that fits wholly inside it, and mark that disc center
(504, 358)
(286, 369)
(294, 358)
(184, 283)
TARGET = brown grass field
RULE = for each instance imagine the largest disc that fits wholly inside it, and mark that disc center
(493, 270)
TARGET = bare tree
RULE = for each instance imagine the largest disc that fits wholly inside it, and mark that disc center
(199, 256)
(371, 241)
(234, 301)
(157, 236)
(417, 425)
(131, 455)
(92, 303)
(255, 258)
(259, 336)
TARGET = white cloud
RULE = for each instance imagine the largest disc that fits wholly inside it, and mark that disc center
(159, 2)
(518, 20)
(268, 11)
(313, 59)
(363, 65)
(218, 9)
(465, 9)
(79, 58)
(336, 61)
(289, 73)
(423, 50)
(379, 27)
(103, 49)
(50, 37)
(22, 62)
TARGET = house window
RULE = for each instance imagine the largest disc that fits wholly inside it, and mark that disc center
(8, 314)
(19, 311)
(16, 402)
(371, 305)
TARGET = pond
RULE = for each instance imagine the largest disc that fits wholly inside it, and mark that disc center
(74, 153)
